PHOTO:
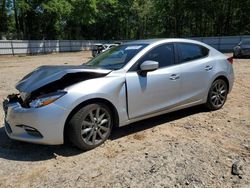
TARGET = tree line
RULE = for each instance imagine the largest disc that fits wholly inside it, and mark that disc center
(122, 19)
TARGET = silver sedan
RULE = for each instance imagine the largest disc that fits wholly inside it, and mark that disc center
(127, 83)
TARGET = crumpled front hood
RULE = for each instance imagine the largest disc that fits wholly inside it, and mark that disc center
(45, 75)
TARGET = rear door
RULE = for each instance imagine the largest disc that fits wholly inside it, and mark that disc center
(196, 69)
(157, 90)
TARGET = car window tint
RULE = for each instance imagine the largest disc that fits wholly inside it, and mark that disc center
(245, 42)
(116, 57)
(163, 54)
(188, 52)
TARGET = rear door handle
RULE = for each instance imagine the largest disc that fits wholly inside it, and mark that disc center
(208, 67)
(174, 77)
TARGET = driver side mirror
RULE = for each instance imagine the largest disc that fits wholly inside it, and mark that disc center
(149, 66)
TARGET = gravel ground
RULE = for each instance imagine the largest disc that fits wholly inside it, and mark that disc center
(187, 148)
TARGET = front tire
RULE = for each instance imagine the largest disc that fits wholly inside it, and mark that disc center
(90, 126)
(236, 55)
(217, 95)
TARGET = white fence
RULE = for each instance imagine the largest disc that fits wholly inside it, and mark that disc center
(44, 46)
(223, 43)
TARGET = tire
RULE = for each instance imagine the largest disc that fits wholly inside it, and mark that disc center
(94, 54)
(237, 55)
(217, 95)
(90, 126)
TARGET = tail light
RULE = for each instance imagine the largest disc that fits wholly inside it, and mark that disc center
(230, 60)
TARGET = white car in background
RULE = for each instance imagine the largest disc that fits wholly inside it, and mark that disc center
(100, 48)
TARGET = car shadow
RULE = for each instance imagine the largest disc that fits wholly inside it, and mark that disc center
(142, 125)
(21, 151)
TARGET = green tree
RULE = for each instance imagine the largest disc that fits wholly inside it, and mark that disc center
(56, 14)
(122, 19)
(3, 18)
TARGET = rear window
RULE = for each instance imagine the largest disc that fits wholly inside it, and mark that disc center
(188, 51)
(245, 42)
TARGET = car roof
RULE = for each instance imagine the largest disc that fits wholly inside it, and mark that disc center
(98, 44)
(151, 41)
(109, 44)
(146, 41)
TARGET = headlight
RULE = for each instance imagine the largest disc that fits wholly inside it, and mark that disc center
(24, 95)
(46, 99)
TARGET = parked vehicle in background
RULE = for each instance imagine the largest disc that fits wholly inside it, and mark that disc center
(124, 84)
(96, 49)
(242, 49)
(99, 48)
(108, 46)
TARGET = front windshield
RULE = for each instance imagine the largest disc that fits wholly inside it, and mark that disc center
(116, 57)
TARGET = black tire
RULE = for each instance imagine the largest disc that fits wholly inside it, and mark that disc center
(234, 55)
(217, 95)
(81, 126)
(237, 56)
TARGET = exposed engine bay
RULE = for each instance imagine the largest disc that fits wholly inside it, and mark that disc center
(37, 84)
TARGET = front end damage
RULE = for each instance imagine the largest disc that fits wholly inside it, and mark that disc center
(49, 79)
(44, 124)
(36, 125)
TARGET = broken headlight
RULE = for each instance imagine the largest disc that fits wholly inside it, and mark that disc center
(24, 95)
(47, 99)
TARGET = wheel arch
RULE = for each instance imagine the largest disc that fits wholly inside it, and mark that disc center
(223, 78)
(91, 101)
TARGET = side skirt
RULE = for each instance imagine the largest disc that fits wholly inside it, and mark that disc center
(162, 112)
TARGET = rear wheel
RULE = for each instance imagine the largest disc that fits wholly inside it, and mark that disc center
(217, 95)
(236, 55)
(90, 126)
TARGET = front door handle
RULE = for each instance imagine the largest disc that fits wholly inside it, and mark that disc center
(208, 67)
(174, 77)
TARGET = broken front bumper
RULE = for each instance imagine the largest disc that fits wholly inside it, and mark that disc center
(43, 125)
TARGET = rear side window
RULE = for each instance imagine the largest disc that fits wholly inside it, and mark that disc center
(188, 51)
(163, 54)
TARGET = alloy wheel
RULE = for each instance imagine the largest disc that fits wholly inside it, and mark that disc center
(219, 94)
(96, 126)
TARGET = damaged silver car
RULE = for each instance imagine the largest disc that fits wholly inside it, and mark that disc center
(127, 83)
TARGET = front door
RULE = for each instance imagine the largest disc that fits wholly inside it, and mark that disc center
(157, 90)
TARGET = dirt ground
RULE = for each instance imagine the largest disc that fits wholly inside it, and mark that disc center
(187, 148)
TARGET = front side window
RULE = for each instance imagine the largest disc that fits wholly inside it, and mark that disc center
(188, 52)
(163, 54)
(116, 57)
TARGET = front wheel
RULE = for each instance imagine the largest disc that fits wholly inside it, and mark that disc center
(217, 95)
(90, 126)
